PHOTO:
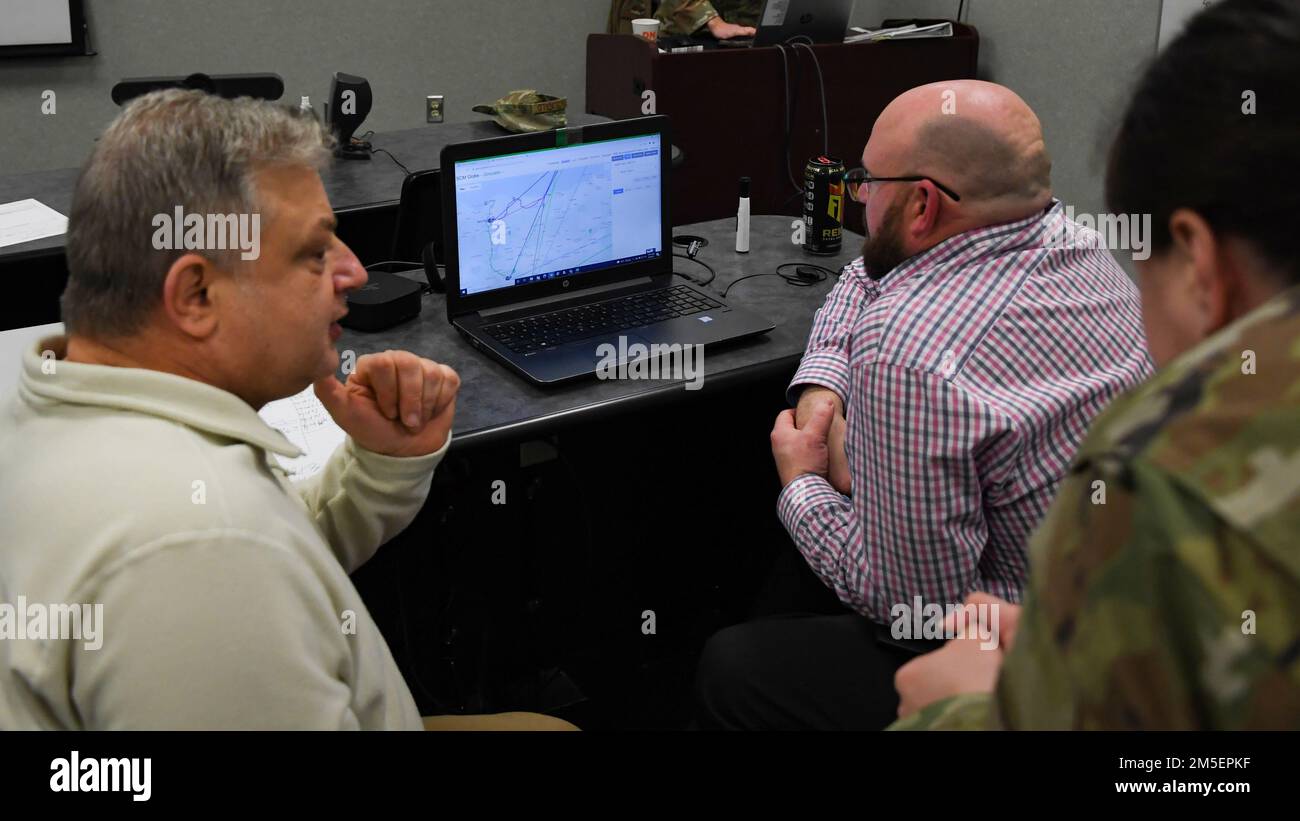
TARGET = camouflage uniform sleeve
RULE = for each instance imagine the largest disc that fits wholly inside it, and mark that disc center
(1164, 584)
(1035, 688)
(1144, 611)
(1134, 615)
(965, 712)
(685, 16)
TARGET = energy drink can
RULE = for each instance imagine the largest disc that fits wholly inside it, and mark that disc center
(823, 205)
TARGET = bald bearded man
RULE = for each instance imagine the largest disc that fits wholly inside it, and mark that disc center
(948, 379)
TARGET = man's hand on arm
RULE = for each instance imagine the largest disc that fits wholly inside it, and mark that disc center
(395, 403)
(722, 30)
(963, 665)
(838, 469)
(812, 396)
(800, 450)
(839, 475)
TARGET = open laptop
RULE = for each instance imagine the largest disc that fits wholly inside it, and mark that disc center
(559, 242)
(822, 21)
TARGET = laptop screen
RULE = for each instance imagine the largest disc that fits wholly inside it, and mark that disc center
(559, 211)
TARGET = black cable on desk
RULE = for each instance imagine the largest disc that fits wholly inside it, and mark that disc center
(712, 273)
(395, 262)
(798, 280)
(734, 283)
(391, 157)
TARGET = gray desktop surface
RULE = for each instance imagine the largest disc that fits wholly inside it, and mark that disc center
(496, 405)
(351, 184)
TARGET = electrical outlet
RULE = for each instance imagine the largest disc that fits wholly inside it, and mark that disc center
(433, 108)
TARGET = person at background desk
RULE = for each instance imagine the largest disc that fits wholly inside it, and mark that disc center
(723, 19)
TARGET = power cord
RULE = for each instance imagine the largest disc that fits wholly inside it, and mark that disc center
(691, 243)
(356, 148)
(374, 265)
(806, 275)
(693, 246)
(391, 157)
(807, 43)
(785, 77)
(712, 273)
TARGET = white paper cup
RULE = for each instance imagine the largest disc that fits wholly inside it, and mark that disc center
(646, 27)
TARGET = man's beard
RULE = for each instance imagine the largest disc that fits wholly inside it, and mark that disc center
(882, 251)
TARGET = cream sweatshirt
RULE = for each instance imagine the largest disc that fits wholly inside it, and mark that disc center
(170, 575)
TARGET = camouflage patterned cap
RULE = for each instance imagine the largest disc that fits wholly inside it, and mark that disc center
(527, 110)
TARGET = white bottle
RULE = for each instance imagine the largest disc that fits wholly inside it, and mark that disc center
(305, 105)
(742, 218)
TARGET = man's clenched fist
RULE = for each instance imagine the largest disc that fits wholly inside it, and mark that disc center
(394, 403)
(802, 450)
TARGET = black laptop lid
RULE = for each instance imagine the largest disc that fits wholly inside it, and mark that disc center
(533, 215)
(822, 21)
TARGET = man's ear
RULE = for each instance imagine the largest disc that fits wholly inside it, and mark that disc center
(1212, 275)
(187, 299)
(923, 209)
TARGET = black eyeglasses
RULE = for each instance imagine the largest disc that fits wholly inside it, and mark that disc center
(859, 177)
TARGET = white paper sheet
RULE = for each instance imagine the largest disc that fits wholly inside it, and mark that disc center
(26, 220)
(305, 422)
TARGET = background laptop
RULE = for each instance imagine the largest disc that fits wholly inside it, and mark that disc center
(822, 21)
(559, 242)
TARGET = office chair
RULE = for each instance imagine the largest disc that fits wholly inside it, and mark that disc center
(419, 216)
(417, 232)
(262, 86)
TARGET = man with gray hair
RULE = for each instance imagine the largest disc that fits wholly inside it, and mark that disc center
(205, 280)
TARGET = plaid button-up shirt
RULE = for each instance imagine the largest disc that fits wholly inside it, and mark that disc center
(969, 376)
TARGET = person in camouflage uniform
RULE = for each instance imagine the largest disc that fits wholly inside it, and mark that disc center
(1164, 590)
(723, 19)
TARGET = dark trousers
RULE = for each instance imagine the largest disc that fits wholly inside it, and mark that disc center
(805, 663)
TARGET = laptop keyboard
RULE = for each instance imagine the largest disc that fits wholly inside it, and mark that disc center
(574, 324)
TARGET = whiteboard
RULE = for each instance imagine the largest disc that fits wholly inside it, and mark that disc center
(1174, 14)
(35, 22)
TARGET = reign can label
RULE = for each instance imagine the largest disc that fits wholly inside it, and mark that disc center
(823, 205)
